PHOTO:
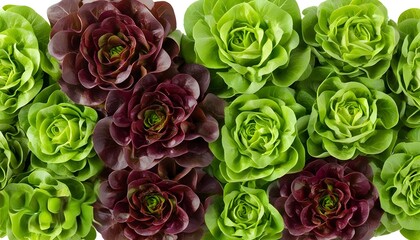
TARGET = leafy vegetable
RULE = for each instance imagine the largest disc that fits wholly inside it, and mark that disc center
(43, 205)
(353, 37)
(162, 203)
(259, 139)
(166, 115)
(243, 212)
(349, 119)
(105, 45)
(60, 134)
(246, 43)
(329, 199)
(398, 182)
(24, 61)
(405, 76)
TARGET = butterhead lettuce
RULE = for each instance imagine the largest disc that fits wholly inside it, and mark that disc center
(246, 43)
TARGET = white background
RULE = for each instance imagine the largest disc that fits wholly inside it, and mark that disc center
(395, 7)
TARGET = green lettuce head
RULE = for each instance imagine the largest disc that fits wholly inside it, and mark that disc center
(398, 183)
(246, 43)
(60, 134)
(46, 206)
(14, 152)
(259, 140)
(349, 119)
(243, 213)
(405, 76)
(354, 37)
(24, 61)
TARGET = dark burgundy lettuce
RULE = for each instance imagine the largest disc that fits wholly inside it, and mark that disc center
(106, 45)
(165, 115)
(328, 200)
(166, 202)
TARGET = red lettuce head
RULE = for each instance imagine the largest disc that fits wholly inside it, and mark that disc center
(165, 115)
(106, 45)
(328, 200)
(162, 203)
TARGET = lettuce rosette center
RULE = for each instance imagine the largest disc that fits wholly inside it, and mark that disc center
(328, 199)
(155, 118)
(154, 204)
(242, 36)
(113, 44)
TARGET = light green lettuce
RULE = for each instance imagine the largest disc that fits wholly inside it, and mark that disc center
(24, 61)
(243, 213)
(60, 134)
(246, 44)
(349, 119)
(260, 137)
(398, 183)
(353, 37)
(45, 206)
(404, 78)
